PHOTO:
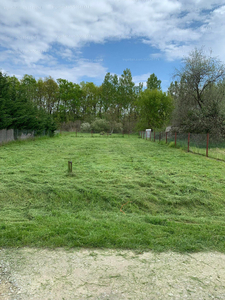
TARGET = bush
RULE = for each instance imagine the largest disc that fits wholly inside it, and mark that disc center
(85, 127)
(100, 125)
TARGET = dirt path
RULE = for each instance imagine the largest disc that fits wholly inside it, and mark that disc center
(109, 274)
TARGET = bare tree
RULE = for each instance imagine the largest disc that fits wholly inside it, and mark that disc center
(198, 92)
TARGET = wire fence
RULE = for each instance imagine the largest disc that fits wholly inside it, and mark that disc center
(204, 144)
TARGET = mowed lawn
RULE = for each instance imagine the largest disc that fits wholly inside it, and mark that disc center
(124, 192)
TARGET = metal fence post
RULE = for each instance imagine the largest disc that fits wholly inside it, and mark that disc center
(154, 135)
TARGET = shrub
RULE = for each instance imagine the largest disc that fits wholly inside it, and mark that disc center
(100, 125)
(85, 127)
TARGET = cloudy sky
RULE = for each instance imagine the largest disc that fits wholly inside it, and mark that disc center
(82, 40)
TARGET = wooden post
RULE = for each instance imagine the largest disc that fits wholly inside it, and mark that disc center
(188, 142)
(175, 139)
(207, 145)
(70, 166)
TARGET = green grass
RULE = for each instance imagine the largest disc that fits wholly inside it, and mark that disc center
(171, 200)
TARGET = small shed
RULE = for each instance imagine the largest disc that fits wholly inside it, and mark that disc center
(148, 133)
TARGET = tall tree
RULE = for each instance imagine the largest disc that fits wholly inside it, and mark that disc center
(89, 100)
(126, 93)
(153, 82)
(108, 92)
(5, 117)
(51, 93)
(40, 93)
(29, 87)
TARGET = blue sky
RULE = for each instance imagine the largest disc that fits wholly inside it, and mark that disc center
(78, 41)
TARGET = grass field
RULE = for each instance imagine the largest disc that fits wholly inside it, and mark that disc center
(171, 200)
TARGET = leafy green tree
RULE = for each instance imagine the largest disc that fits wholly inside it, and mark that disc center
(63, 98)
(107, 92)
(110, 99)
(153, 82)
(138, 88)
(69, 101)
(51, 94)
(126, 91)
(99, 102)
(75, 101)
(127, 96)
(89, 100)
(18, 109)
(28, 87)
(40, 93)
(155, 108)
(5, 117)
(110, 92)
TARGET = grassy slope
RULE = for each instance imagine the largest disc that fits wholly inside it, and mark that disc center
(176, 199)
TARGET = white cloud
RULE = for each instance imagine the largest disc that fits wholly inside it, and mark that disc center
(141, 78)
(29, 31)
(74, 74)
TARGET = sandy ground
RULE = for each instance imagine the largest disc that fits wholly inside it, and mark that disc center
(109, 274)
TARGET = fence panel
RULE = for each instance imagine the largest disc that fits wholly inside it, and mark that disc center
(216, 147)
(209, 145)
(6, 135)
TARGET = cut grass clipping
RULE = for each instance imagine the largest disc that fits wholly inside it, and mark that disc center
(123, 192)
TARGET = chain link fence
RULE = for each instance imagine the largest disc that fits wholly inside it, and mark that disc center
(204, 144)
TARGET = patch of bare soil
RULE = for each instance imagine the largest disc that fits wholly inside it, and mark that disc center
(109, 274)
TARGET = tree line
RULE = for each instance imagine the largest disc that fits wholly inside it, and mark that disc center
(17, 108)
(194, 102)
(46, 103)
